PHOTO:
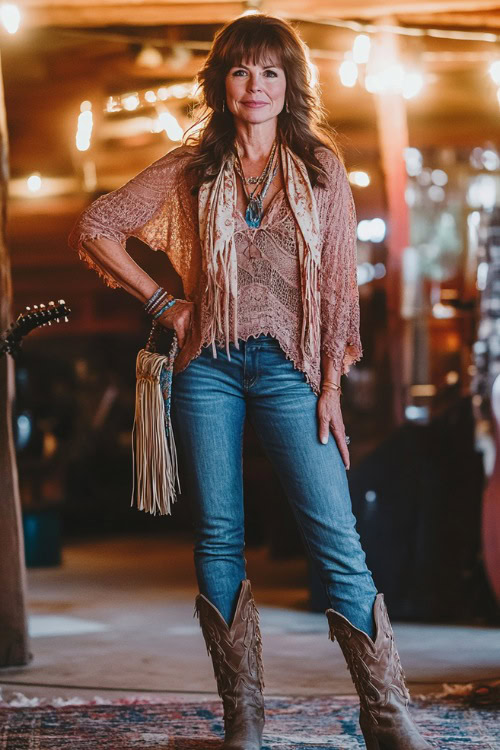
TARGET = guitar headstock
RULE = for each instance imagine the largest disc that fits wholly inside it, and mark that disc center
(38, 315)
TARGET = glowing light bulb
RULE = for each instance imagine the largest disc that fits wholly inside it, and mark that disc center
(150, 97)
(84, 129)
(377, 230)
(34, 182)
(412, 84)
(130, 102)
(439, 177)
(361, 179)
(10, 17)
(364, 230)
(436, 193)
(414, 161)
(490, 159)
(361, 49)
(373, 83)
(170, 126)
(371, 230)
(495, 71)
(348, 72)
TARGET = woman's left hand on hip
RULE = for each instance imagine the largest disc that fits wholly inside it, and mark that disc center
(330, 418)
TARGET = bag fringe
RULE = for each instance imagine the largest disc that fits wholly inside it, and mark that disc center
(153, 445)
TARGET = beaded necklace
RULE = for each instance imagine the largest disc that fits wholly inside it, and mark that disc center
(253, 213)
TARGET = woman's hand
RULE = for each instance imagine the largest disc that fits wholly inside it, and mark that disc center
(330, 418)
(179, 317)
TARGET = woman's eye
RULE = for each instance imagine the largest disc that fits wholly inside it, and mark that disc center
(272, 73)
(238, 72)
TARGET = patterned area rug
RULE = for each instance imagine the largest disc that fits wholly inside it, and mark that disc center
(453, 722)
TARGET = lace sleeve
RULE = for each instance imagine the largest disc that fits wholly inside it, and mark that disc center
(340, 338)
(125, 211)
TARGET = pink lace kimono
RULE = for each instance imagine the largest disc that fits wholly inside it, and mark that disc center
(157, 206)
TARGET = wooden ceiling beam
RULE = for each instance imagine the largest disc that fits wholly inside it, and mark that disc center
(102, 13)
(131, 14)
(472, 21)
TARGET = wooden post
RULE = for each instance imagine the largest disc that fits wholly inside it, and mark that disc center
(393, 139)
(14, 645)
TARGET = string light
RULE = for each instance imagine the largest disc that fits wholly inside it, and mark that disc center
(413, 160)
(138, 99)
(412, 84)
(495, 71)
(170, 125)
(10, 17)
(358, 178)
(415, 31)
(84, 128)
(393, 78)
(371, 230)
(348, 72)
(34, 182)
(130, 102)
(361, 49)
(439, 177)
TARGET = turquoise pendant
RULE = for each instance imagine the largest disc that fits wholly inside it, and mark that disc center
(253, 214)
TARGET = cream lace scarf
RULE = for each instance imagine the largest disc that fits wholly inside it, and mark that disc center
(216, 208)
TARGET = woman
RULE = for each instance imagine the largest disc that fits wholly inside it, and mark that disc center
(256, 216)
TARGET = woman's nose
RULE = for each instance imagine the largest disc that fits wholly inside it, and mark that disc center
(253, 84)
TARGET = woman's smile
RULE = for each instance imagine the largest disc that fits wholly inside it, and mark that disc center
(253, 104)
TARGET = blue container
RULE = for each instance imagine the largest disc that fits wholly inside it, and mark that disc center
(42, 537)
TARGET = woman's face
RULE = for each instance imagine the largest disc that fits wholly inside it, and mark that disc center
(256, 93)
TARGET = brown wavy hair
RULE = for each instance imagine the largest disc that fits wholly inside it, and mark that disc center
(304, 128)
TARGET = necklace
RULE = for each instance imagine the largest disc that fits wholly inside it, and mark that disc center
(253, 213)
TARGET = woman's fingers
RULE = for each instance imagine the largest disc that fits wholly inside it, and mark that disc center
(179, 317)
(330, 420)
(324, 429)
(339, 435)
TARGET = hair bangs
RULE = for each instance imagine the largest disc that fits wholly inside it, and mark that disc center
(262, 48)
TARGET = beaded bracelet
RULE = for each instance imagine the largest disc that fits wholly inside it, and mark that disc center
(162, 299)
(160, 312)
(149, 304)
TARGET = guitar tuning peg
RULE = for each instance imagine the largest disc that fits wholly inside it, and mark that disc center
(58, 320)
(66, 319)
(52, 303)
(28, 308)
(42, 306)
(49, 323)
(61, 302)
(35, 307)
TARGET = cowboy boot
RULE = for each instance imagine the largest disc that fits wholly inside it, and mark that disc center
(380, 682)
(236, 653)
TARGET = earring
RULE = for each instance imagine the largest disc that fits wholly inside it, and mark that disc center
(223, 105)
(287, 108)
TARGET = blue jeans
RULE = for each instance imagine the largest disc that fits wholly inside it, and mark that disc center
(210, 400)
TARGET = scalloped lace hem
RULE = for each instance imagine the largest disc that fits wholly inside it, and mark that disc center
(90, 262)
(343, 358)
